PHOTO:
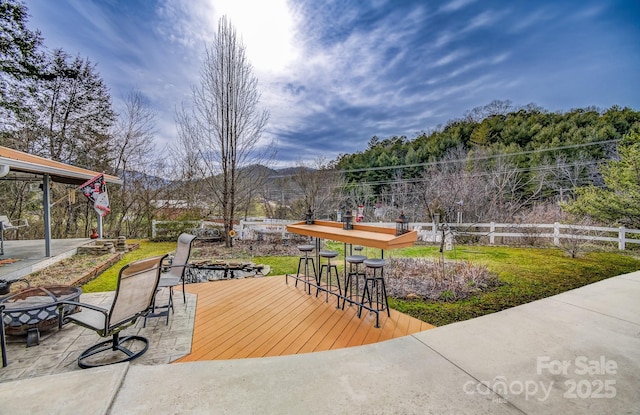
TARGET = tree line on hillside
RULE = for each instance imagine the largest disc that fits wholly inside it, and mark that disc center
(495, 164)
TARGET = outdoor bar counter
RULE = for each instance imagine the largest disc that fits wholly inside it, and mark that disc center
(365, 235)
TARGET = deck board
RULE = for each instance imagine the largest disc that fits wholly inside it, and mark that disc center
(258, 317)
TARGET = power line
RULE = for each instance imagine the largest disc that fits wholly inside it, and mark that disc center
(465, 160)
(519, 153)
(493, 173)
(487, 157)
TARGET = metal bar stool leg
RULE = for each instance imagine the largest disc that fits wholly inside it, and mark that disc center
(306, 275)
(3, 343)
(300, 261)
(319, 278)
(335, 269)
(366, 293)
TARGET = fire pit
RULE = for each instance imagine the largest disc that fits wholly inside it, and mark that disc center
(35, 309)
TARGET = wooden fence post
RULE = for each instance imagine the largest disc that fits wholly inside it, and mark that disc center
(492, 237)
(556, 233)
(621, 238)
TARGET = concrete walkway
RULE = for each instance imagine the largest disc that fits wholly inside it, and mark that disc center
(577, 352)
(30, 255)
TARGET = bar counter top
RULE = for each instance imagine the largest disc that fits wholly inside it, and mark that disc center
(365, 235)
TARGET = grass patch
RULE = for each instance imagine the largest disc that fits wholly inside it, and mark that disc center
(526, 274)
(108, 280)
(280, 265)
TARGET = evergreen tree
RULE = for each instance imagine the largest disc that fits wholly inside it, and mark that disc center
(619, 201)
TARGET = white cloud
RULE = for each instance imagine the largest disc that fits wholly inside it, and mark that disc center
(526, 22)
(455, 5)
(589, 12)
(481, 20)
(444, 39)
(450, 57)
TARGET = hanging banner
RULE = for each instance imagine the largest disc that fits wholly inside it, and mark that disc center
(96, 191)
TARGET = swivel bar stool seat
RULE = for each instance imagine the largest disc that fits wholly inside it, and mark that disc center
(303, 264)
(353, 275)
(374, 285)
(329, 275)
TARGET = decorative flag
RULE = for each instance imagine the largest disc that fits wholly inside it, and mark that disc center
(360, 216)
(96, 191)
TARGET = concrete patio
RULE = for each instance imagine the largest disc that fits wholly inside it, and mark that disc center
(30, 255)
(576, 352)
(58, 350)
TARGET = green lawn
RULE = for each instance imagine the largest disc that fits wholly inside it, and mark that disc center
(107, 280)
(527, 274)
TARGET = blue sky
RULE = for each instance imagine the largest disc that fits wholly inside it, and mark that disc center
(333, 74)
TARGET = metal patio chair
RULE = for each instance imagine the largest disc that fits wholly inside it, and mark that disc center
(7, 224)
(175, 275)
(137, 284)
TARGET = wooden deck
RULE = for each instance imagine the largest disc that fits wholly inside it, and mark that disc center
(258, 317)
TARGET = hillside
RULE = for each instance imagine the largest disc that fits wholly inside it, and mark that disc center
(486, 131)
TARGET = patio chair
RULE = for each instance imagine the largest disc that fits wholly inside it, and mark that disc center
(6, 225)
(137, 284)
(174, 276)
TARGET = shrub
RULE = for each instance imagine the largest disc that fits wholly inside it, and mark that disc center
(170, 231)
(436, 279)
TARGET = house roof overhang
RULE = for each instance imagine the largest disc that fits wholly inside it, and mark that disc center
(18, 165)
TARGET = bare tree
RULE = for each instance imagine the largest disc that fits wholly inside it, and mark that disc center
(133, 136)
(319, 184)
(188, 167)
(465, 184)
(450, 185)
(564, 176)
(227, 123)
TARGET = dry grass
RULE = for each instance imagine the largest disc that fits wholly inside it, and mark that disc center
(433, 279)
(67, 271)
(244, 249)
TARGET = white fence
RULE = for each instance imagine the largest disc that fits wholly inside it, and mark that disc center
(555, 232)
(491, 233)
(258, 229)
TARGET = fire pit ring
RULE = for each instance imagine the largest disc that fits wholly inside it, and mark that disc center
(35, 309)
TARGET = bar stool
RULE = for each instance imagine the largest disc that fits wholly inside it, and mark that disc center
(329, 266)
(354, 261)
(376, 281)
(306, 259)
